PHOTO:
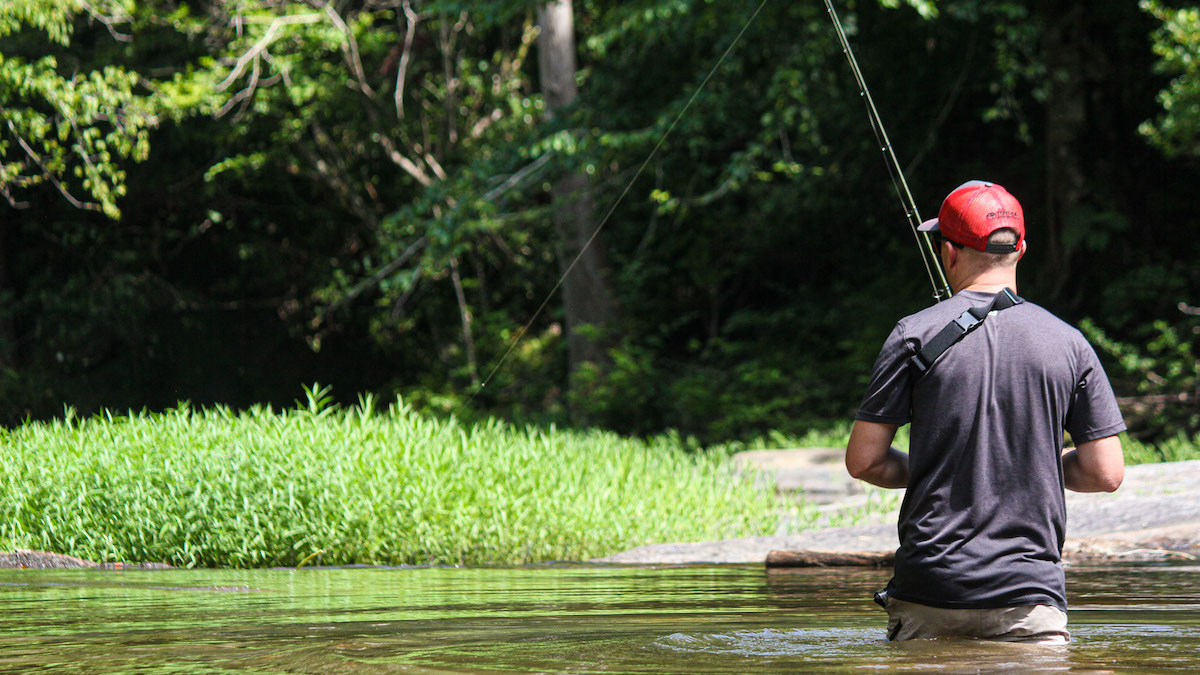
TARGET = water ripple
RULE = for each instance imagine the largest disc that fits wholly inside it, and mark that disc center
(770, 642)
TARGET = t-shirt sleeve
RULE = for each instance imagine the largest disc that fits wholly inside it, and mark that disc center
(889, 395)
(1094, 413)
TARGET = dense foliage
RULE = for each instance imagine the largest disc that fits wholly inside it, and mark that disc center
(359, 485)
(216, 200)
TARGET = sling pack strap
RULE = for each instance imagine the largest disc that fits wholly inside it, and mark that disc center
(954, 331)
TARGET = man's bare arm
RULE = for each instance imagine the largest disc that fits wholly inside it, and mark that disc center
(871, 457)
(1095, 466)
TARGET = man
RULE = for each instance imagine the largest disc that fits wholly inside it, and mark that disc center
(982, 523)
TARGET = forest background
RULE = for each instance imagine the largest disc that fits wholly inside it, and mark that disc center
(218, 201)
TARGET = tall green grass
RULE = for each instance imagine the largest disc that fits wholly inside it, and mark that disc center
(1177, 449)
(359, 485)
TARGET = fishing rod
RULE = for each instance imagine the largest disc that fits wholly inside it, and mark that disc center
(929, 255)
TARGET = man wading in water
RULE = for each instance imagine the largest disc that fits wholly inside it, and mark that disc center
(989, 393)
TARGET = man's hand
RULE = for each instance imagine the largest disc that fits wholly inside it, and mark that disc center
(871, 457)
(1094, 466)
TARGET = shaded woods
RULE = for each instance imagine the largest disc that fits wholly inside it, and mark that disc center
(217, 201)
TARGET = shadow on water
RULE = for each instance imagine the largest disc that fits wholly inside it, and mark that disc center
(554, 619)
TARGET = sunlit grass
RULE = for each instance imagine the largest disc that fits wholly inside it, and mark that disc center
(1176, 449)
(359, 485)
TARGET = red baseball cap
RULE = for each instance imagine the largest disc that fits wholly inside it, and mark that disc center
(973, 211)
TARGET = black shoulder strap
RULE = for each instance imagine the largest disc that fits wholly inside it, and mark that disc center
(954, 331)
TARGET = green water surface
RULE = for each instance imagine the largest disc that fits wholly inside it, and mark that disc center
(554, 619)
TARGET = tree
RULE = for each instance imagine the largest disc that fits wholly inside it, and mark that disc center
(588, 298)
(67, 122)
(1177, 44)
(369, 193)
(389, 113)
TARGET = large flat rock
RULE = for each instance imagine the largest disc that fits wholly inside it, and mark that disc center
(818, 473)
(1156, 509)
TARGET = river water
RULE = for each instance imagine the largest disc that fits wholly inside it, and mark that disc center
(1143, 618)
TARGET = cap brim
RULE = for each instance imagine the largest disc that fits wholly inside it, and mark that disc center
(930, 225)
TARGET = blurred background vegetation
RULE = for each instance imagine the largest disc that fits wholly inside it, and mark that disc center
(219, 200)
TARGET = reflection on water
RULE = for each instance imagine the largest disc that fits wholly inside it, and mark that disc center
(582, 619)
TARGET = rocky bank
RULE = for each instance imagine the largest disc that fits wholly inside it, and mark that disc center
(1154, 515)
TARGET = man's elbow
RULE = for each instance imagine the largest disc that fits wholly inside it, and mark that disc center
(868, 450)
(859, 468)
(1110, 480)
(1105, 462)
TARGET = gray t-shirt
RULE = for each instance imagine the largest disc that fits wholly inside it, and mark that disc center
(983, 520)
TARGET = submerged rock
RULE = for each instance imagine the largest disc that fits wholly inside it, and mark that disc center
(26, 559)
(22, 558)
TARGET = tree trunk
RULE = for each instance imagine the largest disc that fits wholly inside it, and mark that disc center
(8, 332)
(590, 304)
(1063, 47)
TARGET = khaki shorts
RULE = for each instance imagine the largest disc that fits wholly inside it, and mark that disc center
(1038, 624)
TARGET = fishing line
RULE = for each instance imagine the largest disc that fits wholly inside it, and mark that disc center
(929, 256)
(604, 221)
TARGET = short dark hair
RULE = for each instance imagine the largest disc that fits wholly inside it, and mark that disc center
(1004, 235)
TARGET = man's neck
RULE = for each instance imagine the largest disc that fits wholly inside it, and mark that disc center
(989, 283)
(989, 288)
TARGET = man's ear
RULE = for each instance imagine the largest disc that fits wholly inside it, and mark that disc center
(951, 254)
(1022, 249)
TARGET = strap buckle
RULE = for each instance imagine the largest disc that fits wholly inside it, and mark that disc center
(966, 321)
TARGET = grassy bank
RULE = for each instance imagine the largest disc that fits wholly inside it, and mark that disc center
(265, 488)
(361, 485)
